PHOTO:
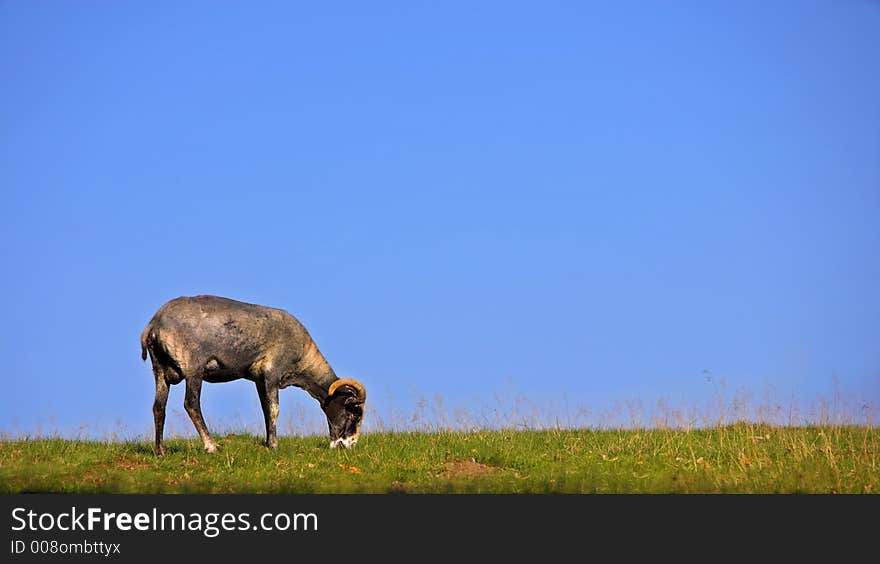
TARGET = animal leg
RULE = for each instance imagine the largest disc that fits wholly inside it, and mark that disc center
(159, 409)
(269, 401)
(193, 406)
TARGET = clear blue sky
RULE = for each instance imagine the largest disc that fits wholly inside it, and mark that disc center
(570, 203)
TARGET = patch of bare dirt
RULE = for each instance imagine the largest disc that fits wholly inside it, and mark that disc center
(466, 469)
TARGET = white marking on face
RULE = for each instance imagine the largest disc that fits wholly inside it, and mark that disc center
(347, 442)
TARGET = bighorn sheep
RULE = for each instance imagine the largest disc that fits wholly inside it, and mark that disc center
(214, 339)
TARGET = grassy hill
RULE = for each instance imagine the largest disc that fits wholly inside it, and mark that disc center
(741, 458)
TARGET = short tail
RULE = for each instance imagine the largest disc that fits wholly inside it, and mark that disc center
(146, 339)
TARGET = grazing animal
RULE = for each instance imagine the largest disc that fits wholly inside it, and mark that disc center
(213, 339)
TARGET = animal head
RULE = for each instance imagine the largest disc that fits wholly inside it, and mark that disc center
(344, 408)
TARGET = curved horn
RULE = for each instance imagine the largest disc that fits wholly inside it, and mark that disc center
(361, 392)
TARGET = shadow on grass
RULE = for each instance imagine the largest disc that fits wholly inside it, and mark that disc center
(147, 449)
(179, 446)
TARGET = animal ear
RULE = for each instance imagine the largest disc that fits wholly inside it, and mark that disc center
(354, 401)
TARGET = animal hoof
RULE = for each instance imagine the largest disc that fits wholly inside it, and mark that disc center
(211, 447)
(159, 451)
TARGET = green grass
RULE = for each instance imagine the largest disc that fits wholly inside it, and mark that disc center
(741, 458)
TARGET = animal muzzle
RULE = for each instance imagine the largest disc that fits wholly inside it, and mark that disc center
(347, 442)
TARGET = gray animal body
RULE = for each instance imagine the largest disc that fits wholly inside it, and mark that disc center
(214, 339)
